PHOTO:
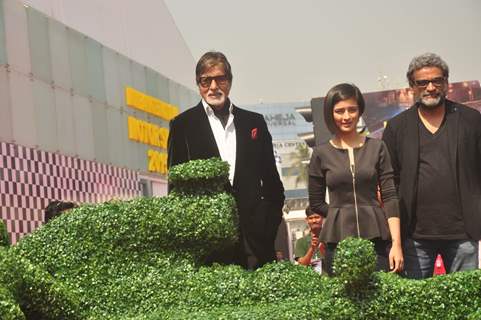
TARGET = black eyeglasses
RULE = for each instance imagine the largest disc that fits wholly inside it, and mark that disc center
(437, 82)
(220, 80)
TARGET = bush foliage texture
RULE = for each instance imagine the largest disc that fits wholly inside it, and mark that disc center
(143, 260)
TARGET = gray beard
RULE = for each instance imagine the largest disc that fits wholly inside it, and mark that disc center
(433, 104)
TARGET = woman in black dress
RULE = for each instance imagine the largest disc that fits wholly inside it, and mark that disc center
(354, 168)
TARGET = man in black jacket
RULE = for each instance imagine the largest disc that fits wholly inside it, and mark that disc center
(217, 128)
(435, 149)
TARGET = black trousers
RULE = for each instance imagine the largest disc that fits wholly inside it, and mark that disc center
(239, 254)
(382, 248)
(232, 255)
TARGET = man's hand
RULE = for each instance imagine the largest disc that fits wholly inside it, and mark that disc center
(314, 241)
(396, 259)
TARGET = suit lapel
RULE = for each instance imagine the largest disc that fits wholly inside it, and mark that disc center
(241, 127)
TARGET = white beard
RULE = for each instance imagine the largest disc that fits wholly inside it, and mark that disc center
(430, 102)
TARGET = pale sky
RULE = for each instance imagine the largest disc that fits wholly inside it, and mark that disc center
(284, 51)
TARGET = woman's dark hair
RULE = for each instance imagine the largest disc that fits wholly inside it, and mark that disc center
(340, 92)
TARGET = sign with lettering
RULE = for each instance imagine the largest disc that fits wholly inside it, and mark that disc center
(280, 119)
(149, 133)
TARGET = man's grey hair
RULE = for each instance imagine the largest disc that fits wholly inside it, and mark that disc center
(426, 60)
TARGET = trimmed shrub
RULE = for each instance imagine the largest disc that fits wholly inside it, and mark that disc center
(28, 291)
(142, 260)
(354, 264)
(4, 238)
(200, 176)
(475, 315)
(9, 283)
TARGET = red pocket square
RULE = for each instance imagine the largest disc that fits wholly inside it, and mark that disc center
(254, 134)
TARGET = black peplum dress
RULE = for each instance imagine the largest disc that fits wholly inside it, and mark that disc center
(329, 167)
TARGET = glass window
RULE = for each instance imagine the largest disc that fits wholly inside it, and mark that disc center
(163, 88)
(5, 107)
(138, 76)
(100, 132)
(184, 98)
(78, 62)
(152, 83)
(65, 122)
(45, 116)
(16, 34)
(174, 93)
(3, 52)
(23, 112)
(125, 75)
(84, 136)
(113, 90)
(115, 137)
(38, 32)
(95, 75)
(59, 51)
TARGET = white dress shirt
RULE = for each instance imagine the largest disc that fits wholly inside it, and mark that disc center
(224, 137)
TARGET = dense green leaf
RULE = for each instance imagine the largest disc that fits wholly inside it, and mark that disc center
(143, 260)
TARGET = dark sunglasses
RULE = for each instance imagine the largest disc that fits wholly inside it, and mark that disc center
(437, 82)
(220, 80)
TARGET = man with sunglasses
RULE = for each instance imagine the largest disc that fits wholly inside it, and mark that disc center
(217, 128)
(435, 149)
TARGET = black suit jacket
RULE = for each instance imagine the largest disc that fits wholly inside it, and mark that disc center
(257, 187)
(464, 133)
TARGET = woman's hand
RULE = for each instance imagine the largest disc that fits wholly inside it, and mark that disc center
(396, 259)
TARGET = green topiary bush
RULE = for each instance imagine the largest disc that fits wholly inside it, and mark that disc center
(4, 238)
(199, 176)
(354, 264)
(476, 315)
(9, 286)
(143, 260)
(122, 258)
(29, 291)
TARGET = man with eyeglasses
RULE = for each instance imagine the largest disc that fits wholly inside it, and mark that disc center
(435, 149)
(217, 128)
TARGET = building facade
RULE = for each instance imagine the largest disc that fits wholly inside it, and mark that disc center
(79, 121)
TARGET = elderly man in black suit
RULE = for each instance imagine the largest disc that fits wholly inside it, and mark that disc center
(217, 128)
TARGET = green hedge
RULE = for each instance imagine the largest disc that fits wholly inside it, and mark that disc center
(200, 176)
(142, 260)
(4, 238)
(354, 264)
(27, 290)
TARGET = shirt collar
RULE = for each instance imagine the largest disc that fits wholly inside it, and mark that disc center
(208, 109)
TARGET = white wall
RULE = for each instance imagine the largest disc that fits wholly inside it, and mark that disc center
(142, 30)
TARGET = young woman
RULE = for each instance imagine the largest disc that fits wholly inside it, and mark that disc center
(353, 167)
